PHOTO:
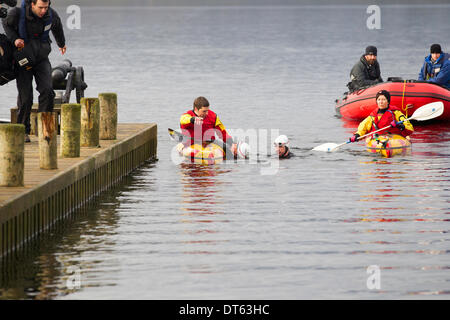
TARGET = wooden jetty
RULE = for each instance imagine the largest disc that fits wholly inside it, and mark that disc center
(51, 195)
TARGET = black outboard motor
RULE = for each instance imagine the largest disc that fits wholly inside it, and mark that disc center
(67, 78)
(59, 73)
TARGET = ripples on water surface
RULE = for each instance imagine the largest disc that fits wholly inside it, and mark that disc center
(171, 231)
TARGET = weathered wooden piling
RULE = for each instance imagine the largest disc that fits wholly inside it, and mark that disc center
(12, 137)
(108, 116)
(33, 119)
(33, 124)
(70, 130)
(90, 122)
(48, 145)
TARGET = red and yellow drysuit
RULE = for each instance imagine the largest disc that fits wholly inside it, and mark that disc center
(378, 120)
(205, 132)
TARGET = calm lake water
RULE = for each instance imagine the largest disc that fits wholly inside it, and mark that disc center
(308, 230)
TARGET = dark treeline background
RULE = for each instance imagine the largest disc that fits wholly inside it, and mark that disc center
(240, 2)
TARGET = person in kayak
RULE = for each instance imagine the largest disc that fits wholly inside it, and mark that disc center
(436, 67)
(384, 116)
(366, 71)
(281, 147)
(201, 124)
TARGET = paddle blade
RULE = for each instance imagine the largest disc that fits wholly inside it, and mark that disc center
(428, 111)
(175, 136)
(326, 147)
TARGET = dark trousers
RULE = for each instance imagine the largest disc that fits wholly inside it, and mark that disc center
(42, 73)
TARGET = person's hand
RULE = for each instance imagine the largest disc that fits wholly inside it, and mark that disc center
(198, 121)
(399, 125)
(63, 50)
(180, 148)
(19, 43)
(354, 138)
(234, 148)
(395, 124)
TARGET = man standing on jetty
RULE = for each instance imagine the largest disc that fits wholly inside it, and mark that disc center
(28, 28)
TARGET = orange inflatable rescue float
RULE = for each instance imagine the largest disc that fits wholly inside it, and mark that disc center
(389, 145)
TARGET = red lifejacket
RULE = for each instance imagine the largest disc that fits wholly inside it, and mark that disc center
(385, 120)
(210, 126)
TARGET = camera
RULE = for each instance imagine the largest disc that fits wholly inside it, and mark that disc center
(3, 10)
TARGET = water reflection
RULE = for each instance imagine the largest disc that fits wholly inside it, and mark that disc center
(387, 185)
(349, 124)
(433, 132)
(202, 210)
(61, 261)
(202, 187)
(381, 179)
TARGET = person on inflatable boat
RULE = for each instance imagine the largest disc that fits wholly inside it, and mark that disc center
(384, 116)
(201, 124)
(281, 147)
(436, 67)
(366, 72)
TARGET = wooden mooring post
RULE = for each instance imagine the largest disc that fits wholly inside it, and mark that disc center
(90, 122)
(12, 145)
(70, 130)
(48, 140)
(108, 115)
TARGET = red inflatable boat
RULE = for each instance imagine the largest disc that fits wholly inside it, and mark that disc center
(359, 104)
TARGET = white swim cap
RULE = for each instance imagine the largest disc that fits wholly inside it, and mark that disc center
(243, 150)
(281, 140)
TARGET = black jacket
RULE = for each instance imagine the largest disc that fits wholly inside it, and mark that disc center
(364, 75)
(35, 25)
